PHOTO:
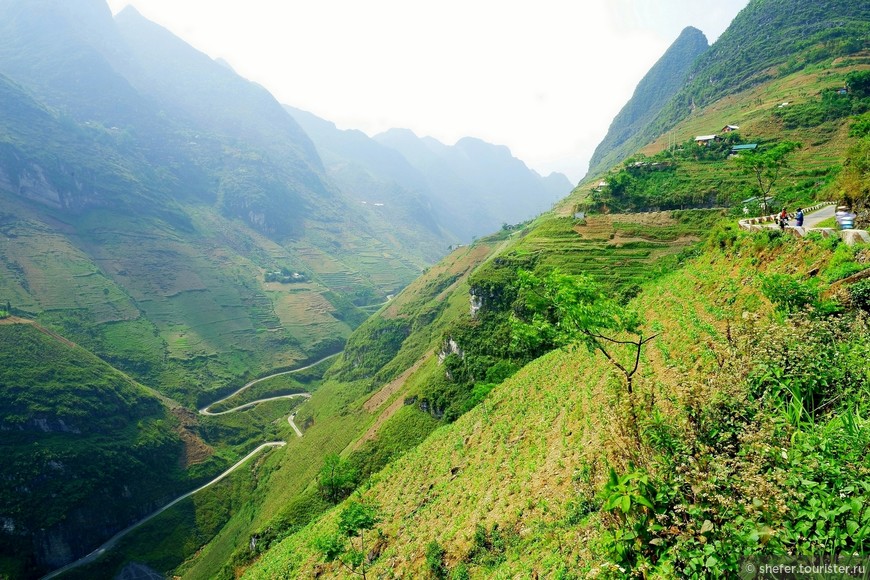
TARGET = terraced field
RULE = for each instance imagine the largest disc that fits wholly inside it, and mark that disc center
(622, 249)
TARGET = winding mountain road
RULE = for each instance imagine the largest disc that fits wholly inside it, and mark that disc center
(205, 410)
(110, 543)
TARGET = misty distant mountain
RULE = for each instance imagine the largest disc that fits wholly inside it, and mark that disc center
(383, 185)
(480, 186)
(468, 190)
(667, 76)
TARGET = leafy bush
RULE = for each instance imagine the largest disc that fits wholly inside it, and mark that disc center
(435, 560)
(489, 546)
(790, 293)
(859, 293)
(812, 113)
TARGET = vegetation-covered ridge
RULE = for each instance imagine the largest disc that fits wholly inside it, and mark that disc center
(652, 93)
(85, 450)
(750, 441)
(768, 40)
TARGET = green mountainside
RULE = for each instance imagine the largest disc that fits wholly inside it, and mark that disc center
(654, 91)
(172, 219)
(739, 440)
(85, 450)
(768, 40)
(486, 420)
(144, 233)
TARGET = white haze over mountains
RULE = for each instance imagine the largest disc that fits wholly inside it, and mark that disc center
(544, 78)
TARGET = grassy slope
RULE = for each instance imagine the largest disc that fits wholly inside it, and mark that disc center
(812, 167)
(277, 492)
(345, 413)
(114, 446)
(360, 410)
(188, 313)
(548, 434)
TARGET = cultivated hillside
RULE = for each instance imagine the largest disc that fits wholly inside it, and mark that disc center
(736, 427)
(464, 441)
(739, 429)
(768, 39)
(142, 221)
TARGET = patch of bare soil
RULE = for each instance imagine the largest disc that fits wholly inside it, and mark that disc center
(15, 320)
(387, 391)
(195, 450)
(373, 430)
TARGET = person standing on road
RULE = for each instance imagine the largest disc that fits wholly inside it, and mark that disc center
(799, 216)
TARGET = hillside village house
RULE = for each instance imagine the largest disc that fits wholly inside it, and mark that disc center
(746, 147)
(704, 140)
(729, 128)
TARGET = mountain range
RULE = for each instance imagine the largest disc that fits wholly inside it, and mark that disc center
(172, 218)
(480, 416)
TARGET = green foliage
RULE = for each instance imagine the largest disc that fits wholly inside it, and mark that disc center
(435, 560)
(859, 292)
(486, 355)
(404, 431)
(803, 373)
(831, 106)
(790, 293)
(368, 350)
(357, 518)
(630, 499)
(858, 83)
(766, 166)
(489, 546)
(855, 177)
(354, 521)
(843, 263)
(659, 184)
(724, 235)
(337, 478)
(860, 128)
(80, 440)
(561, 310)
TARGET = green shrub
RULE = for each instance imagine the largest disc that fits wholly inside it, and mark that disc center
(790, 293)
(859, 292)
(435, 560)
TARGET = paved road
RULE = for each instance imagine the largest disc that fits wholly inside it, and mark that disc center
(252, 403)
(108, 545)
(114, 539)
(811, 220)
(292, 424)
(205, 410)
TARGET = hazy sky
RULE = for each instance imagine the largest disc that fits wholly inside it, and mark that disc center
(544, 77)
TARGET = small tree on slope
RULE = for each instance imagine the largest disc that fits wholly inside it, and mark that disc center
(565, 310)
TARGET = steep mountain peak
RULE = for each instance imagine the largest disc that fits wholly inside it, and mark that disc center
(479, 146)
(653, 92)
(181, 77)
